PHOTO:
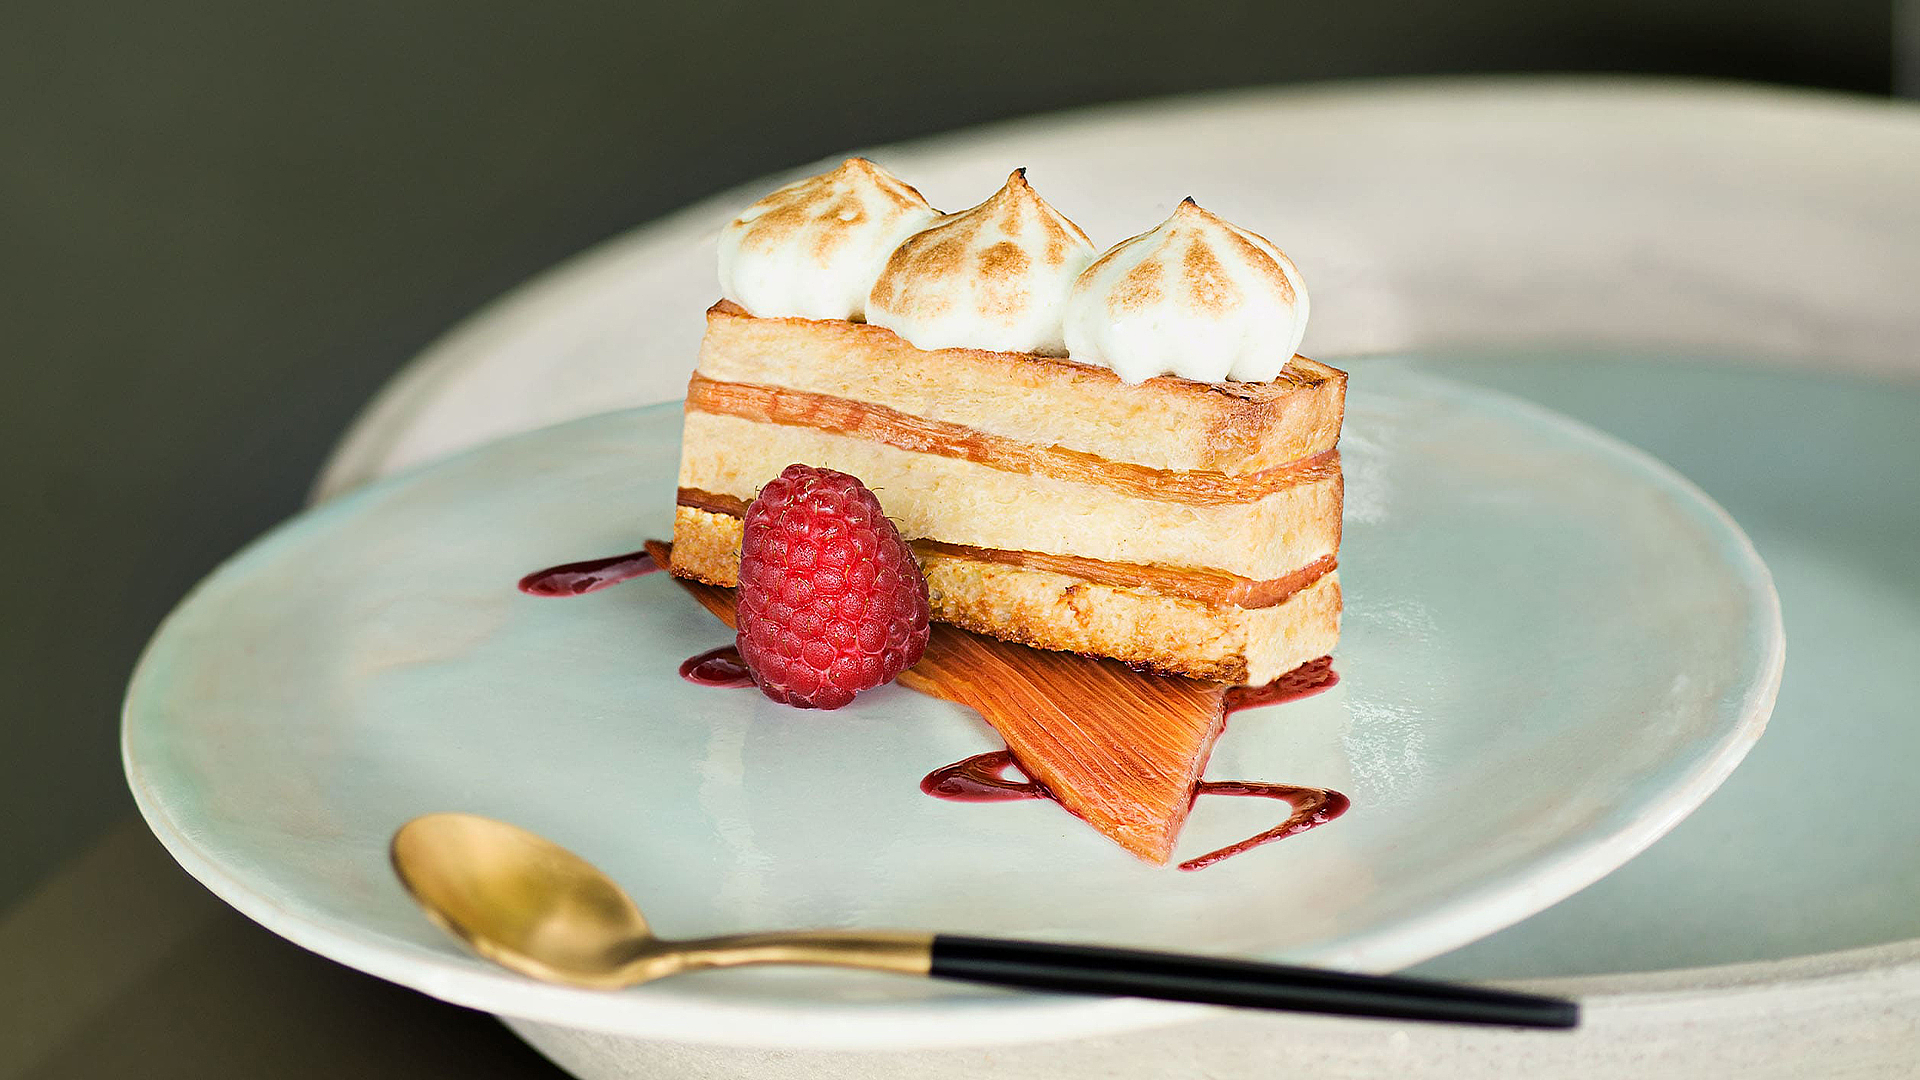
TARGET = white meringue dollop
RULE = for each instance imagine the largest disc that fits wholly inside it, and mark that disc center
(1196, 297)
(994, 277)
(812, 249)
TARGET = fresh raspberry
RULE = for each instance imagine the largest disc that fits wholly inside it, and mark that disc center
(831, 602)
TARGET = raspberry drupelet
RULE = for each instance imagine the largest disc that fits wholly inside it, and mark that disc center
(831, 602)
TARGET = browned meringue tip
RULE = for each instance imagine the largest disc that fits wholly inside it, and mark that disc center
(1018, 188)
(877, 174)
(991, 276)
(1189, 208)
(865, 165)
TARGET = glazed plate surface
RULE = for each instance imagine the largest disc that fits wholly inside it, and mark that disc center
(1555, 648)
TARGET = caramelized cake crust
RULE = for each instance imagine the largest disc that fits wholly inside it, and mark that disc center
(1165, 423)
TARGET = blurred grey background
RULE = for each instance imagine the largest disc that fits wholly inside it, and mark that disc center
(223, 225)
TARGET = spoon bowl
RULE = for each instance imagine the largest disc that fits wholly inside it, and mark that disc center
(519, 899)
(530, 905)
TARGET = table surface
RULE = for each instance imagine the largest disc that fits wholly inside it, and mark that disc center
(120, 964)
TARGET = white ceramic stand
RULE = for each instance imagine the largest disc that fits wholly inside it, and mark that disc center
(1669, 215)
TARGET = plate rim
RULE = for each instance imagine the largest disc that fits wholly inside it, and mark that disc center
(986, 1019)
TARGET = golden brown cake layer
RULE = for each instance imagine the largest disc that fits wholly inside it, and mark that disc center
(879, 424)
(1166, 423)
(1053, 610)
(929, 496)
(705, 547)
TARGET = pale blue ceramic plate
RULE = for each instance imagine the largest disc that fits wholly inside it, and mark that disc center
(1814, 845)
(1555, 648)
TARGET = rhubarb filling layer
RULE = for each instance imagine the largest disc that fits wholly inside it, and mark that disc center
(1206, 586)
(904, 431)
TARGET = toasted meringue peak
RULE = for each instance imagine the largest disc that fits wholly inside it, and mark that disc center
(1197, 297)
(812, 249)
(993, 277)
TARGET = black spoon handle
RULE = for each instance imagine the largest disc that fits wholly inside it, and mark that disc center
(1087, 969)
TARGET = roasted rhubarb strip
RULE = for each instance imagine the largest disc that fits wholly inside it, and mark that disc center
(1119, 748)
(903, 431)
(712, 503)
(1207, 586)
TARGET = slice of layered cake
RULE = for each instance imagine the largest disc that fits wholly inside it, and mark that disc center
(1117, 455)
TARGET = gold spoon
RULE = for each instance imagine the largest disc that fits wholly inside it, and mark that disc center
(528, 904)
